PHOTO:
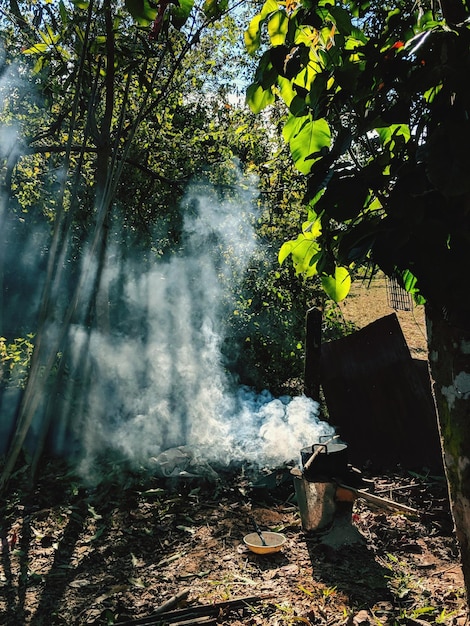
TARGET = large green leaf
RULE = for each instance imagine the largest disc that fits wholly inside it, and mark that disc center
(410, 283)
(307, 140)
(337, 287)
(342, 19)
(305, 253)
(390, 135)
(252, 35)
(286, 90)
(181, 12)
(141, 11)
(258, 98)
(277, 28)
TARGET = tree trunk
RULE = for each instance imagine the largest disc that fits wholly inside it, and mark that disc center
(449, 358)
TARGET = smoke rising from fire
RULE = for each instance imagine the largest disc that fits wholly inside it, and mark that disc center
(150, 375)
(163, 383)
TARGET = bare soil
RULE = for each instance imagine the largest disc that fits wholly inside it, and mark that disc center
(117, 552)
(370, 300)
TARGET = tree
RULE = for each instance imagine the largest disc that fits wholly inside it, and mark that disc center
(109, 73)
(129, 117)
(378, 122)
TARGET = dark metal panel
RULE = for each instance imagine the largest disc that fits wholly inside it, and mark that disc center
(379, 400)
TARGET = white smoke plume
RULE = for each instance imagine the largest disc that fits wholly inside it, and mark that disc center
(157, 379)
(164, 384)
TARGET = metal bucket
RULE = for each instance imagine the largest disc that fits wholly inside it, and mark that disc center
(316, 502)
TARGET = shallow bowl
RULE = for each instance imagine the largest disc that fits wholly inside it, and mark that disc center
(274, 542)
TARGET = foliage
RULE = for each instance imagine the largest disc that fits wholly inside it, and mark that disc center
(169, 110)
(109, 140)
(15, 357)
(378, 122)
(267, 326)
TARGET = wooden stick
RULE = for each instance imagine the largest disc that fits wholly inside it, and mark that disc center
(172, 602)
(213, 609)
(164, 608)
(158, 620)
(379, 501)
(318, 450)
(205, 620)
(194, 612)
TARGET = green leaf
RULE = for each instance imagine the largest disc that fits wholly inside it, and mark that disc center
(214, 8)
(284, 251)
(141, 11)
(38, 48)
(387, 134)
(252, 35)
(258, 98)
(297, 107)
(269, 7)
(277, 28)
(312, 228)
(286, 91)
(293, 126)
(410, 284)
(181, 12)
(342, 19)
(64, 16)
(337, 287)
(307, 140)
(40, 63)
(305, 253)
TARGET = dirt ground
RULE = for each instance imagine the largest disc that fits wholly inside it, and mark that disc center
(370, 300)
(119, 552)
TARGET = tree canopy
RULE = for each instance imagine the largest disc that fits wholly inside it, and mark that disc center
(112, 110)
(378, 122)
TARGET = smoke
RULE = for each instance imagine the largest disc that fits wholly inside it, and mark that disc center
(149, 374)
(162, 383)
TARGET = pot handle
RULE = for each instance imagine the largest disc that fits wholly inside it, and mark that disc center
(320, 446)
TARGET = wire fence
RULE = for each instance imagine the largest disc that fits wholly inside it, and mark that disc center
(398, 298)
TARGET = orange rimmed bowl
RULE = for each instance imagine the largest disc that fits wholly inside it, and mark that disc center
(274, 542)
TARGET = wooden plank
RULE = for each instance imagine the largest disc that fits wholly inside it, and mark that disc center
(377, 400)
(380, 501)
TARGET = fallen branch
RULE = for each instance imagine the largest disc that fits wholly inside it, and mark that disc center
(172, 602)
(200, 614)
(205, 620)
